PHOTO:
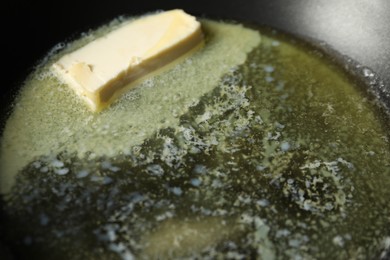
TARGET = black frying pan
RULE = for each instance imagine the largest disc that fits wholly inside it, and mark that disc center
(359, 29)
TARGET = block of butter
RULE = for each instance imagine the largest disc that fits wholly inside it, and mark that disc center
(104, 69)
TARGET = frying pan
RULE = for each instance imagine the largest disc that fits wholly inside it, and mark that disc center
(356, 29)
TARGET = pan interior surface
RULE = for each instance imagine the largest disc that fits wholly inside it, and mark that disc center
(283, 156)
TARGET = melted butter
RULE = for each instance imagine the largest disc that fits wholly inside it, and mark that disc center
(48, 118)
(283, 157)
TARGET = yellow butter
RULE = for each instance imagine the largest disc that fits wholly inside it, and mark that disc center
(102, 70)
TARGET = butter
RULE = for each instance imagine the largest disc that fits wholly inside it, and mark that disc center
(104, 69)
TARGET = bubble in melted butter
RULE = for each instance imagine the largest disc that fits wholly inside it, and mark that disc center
(249, 149)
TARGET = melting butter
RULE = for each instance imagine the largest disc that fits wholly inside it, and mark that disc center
(48, 117)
